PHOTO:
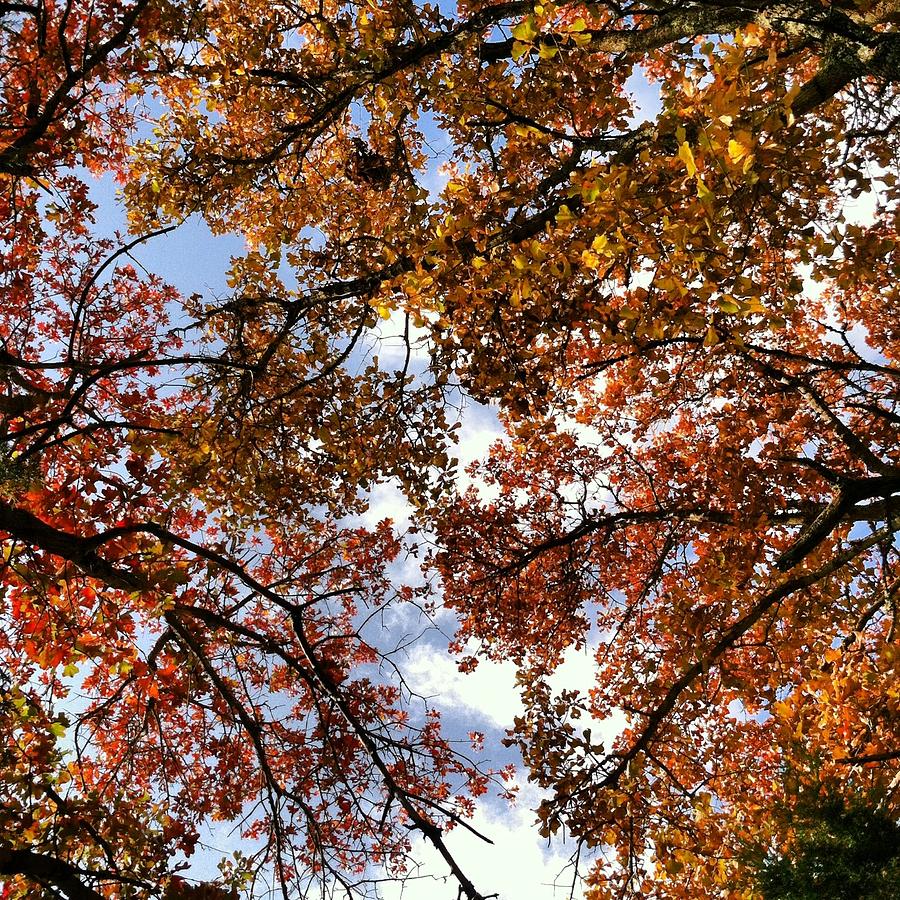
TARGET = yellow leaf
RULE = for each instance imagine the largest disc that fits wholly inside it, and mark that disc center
(590, 192)
(781, 709)
(703, 192)
(791, 95)
(740, 146)
(519, 50)
(685, 154)
(736, 150)
(526, 30)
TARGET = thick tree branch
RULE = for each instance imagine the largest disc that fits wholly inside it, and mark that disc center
(24, 526)
(816, 521)
(47, 870)
(669, 28)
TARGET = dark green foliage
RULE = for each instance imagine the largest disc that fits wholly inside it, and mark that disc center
(840, 850)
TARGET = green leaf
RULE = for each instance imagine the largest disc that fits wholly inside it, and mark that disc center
(526, 30)
(519, 50)
(590, 192)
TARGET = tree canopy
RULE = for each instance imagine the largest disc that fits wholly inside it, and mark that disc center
(839, 847)
(640, 248)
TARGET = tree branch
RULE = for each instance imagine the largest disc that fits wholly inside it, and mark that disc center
(46, 869)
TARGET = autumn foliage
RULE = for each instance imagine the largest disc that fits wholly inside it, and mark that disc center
(684, 309)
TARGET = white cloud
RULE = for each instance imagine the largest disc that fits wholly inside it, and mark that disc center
(578, 671)
(861, 210)
(387, 501)
(490, 691)
(398, 337)
(519, 865)
(480, 428)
